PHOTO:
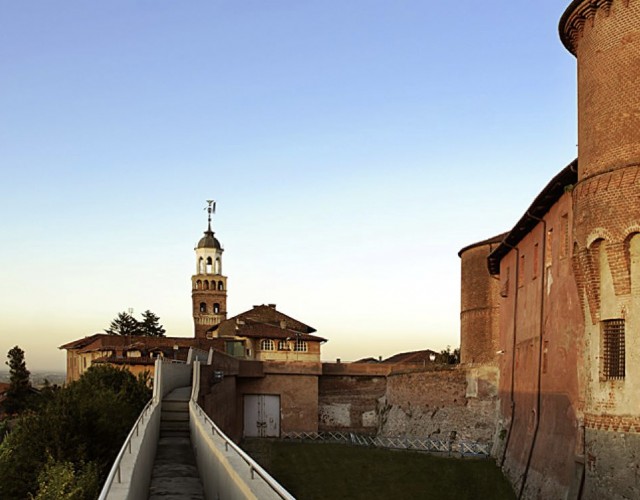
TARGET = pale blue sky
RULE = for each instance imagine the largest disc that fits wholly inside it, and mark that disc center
(353, 148)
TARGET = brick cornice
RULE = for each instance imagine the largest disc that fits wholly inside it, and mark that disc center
(574, 18)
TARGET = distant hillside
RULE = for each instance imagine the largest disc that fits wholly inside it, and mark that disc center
(38, 377)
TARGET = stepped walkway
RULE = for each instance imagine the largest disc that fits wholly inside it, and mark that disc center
(175, 451)
(175, 473)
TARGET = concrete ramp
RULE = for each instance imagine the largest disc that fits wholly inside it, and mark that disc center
(175, 473)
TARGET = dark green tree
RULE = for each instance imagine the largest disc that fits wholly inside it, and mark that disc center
(150, 325)
(19, 392)
(124, 324)
(448, 356)
(68, 481)
(78, 431)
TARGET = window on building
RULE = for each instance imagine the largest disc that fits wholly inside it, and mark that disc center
(535, 261)
(521, 271)
(203, 307)
(300, 346)
(283, 345)
(209, 262)
(218, 267)
(220, 285)
(198, 284)
(613, 350)
(267, 345)
(216, 308)
(200, 266)
(206, 285)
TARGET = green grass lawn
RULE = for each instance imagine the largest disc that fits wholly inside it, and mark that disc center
(325, 471)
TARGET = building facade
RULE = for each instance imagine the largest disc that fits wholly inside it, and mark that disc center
(569, 286)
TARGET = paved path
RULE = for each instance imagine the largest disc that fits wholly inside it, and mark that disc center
(175, 473)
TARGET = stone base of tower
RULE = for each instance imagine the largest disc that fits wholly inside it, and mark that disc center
(612, 464)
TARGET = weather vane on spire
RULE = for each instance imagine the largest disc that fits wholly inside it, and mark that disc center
(211, 209)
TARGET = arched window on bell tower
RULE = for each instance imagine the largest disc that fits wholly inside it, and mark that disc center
(218, 266)
(209, 262)
(200, 265)
(203, 307)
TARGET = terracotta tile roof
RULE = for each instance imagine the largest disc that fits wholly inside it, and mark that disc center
(368, 360)
(269, 315)
(489, 241)
(104, 342)
(262, 330)
(114, 360)
(401, 358)
(76, 344)
(410, 357)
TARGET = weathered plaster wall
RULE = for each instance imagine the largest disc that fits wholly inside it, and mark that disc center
(349, 403)
(456, 403)
(451, 401)
(541, 323)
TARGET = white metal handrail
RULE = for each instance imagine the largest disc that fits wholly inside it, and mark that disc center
(254, 467)
(115, 469)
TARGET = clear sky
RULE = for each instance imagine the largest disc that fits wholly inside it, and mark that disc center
(353, 147)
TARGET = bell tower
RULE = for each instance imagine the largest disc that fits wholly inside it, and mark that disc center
(208, 285)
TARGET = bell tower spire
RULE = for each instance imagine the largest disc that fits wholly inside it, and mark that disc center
(208, 285)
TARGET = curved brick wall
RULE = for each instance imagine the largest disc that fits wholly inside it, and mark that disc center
(478, 306)
(605, 37)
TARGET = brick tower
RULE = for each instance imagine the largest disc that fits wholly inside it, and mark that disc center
(479, 303)
(604, 35)
(208, 285)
